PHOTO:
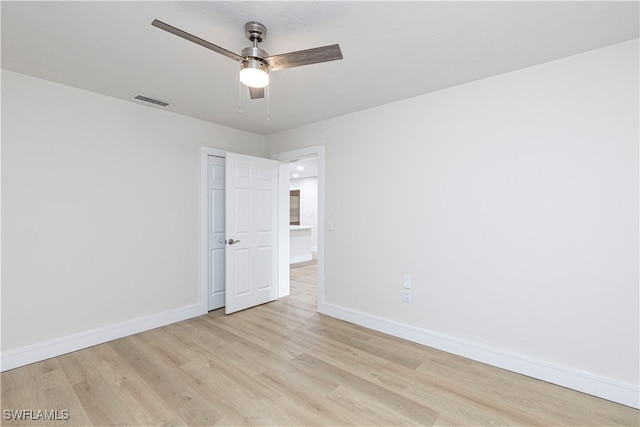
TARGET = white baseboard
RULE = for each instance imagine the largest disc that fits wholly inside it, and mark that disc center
(300, 258)
(584, 382)
(36, 352)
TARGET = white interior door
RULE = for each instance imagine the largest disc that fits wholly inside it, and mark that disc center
(215, 231)
(251, 219)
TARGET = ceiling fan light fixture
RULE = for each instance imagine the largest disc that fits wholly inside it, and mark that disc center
(254, 73)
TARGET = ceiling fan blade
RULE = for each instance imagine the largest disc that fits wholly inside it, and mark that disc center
(196, 40)
(304, 57)
(256, 92)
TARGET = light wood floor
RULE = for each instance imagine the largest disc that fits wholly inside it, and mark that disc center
(283, 364)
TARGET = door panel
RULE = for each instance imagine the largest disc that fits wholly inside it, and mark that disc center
(241, 269)
(241, 213)
(251, 223)
(264, 267)
(265, 222)
(217, 263)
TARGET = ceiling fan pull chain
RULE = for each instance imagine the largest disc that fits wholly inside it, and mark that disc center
(268, 104)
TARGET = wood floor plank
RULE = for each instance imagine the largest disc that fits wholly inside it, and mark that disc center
(367, 411)
(224, 392)
(283, 364)
(54, 393)
(44, 388)
(366, 365)
(102, 404)
(398, 378)
(80, 365)
(390, 400)
(166, 384)
(142, 402)
(303, 403)
(386, 352)
(17, 389)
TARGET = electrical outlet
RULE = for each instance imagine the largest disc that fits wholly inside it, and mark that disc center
(406, 295)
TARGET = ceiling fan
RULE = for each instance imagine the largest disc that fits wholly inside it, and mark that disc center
(255, 63)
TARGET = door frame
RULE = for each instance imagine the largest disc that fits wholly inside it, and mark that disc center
(283, 217)
(287, 156)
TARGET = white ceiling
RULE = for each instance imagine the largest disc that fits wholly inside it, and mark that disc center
(392, 50)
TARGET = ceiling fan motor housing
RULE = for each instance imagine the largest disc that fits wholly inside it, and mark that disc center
(254, 58)
(254, 52)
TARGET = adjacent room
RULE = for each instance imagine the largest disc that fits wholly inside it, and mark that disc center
(320, 213)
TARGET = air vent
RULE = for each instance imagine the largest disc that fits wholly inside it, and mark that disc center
(147, 100)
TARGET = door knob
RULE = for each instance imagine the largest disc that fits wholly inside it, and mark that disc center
(231, 241)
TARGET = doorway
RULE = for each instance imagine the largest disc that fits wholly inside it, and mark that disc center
(315, 222)
(303, 210)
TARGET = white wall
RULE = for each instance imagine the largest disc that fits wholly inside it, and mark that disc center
(513, 203)
(308, 205)
(100, 209)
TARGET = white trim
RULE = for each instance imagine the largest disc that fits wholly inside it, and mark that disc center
(318, 151)
(300, 258)
(284, 249)
(585, 382)
(36, 352)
